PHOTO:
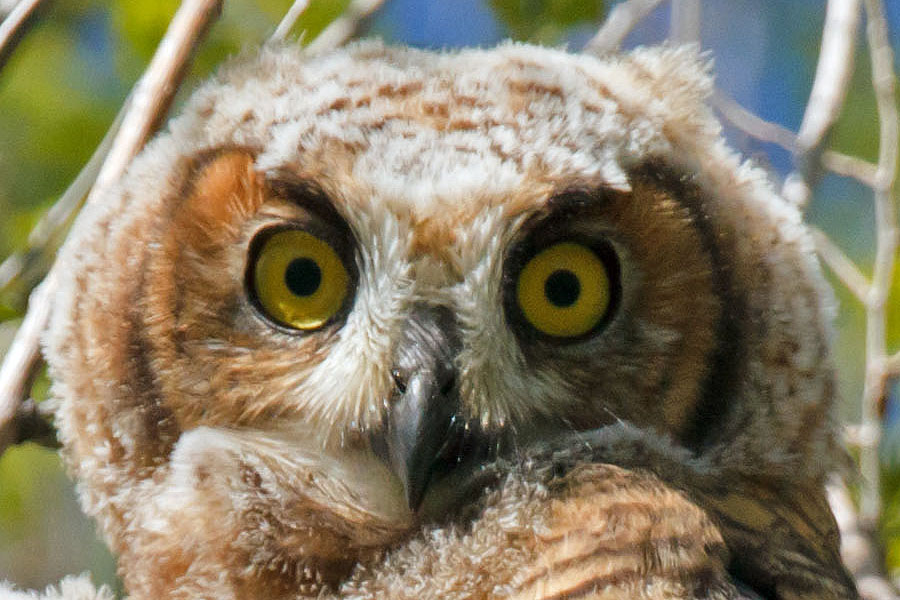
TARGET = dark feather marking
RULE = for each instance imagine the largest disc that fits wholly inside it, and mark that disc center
(728, 358)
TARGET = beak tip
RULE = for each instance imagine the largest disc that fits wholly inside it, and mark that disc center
(414, 482)
(414, 498)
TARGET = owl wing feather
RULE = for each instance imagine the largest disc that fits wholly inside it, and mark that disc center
(614, 533)
(598, 531)
(782, 539)
(785, 539)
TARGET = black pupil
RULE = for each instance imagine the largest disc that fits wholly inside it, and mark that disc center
(303, 276)
(562, 288)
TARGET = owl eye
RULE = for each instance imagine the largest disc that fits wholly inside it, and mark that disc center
(299, 280)
(567, 289)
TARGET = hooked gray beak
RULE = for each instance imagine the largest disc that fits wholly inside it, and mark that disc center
(420, 426)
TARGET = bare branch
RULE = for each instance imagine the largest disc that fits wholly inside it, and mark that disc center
(289, 20)
(857, 436)
(350, 24)
(773, 133)
(684, 26)
(6, 7)
(842, 266)
(751, 124)
(892, 365)
(622, 19)
(850, 166)
(155, 90)
(22, 360)
(859, 550)
(885, 252)
(832, 72)
(147, 104)
(13, 27)
(52, 225)
(885, 94)
(825, 99)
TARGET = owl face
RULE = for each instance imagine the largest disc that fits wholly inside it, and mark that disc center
(338, 286)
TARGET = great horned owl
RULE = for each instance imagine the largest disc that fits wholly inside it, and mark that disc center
(491, 323)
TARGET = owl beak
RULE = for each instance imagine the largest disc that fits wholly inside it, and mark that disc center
(420, 422)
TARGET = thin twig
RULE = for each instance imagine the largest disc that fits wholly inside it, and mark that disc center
(148, 102)
(621, 20)
(751, 124)
(13, 27)
(833, 73)
(856, 436)
(773, 133)
(350, 24)
(795, 187)
(892, 365)
(832, 79)
(850, 166)
(6, 7)
(23, 360)
(842, 266)
(684, 25)
(156, 88)
(885, 253)
(289, 20)
(54, 222)
(857, 551)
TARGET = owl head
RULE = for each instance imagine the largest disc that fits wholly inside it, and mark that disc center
(336, 287)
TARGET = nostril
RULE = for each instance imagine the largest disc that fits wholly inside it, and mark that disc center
(399, 380)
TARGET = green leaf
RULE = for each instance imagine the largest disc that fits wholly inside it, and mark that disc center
(8, 312)
(545, 21)
(893, 310)
(21, 471)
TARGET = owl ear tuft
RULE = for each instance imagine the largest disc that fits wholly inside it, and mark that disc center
(680, 74)
(672, 85)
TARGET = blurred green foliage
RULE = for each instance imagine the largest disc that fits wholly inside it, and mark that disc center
(57, 97)
(545, 21)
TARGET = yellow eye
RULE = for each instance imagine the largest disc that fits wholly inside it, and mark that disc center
(564, 290)
(299, 279)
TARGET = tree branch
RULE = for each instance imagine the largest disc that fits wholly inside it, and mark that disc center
(350, 24)
(621, 20)
(51, 227)
(156, 88)
(857, 551)
(842, 266)
(14, 27)
(850, 166)
(290, 19)
(885, 253)
(833, 73)
(22, 361)
(773, 133)
(751, 124)
(145, 108)
(892, 365)
(826, 98)
(684, 24)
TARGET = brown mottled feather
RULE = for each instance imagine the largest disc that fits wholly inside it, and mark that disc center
(613, 533)
(598, 532)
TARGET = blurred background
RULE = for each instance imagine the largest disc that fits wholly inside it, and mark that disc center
(68, 78)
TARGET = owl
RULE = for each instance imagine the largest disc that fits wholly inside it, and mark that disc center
(494, 323)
